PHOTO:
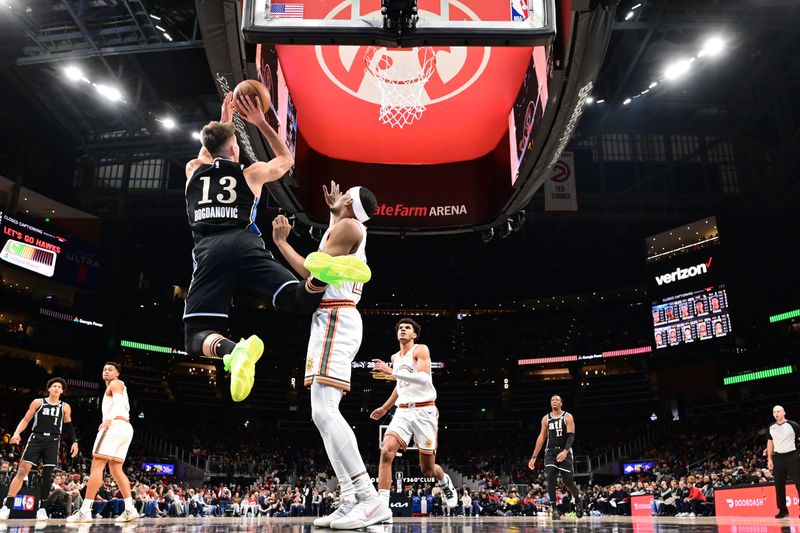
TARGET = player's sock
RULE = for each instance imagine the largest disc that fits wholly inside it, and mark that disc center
(347, 492)
(86, 506)
(222, 347)
(129, 504)
(10, 502)
(364, 488)
(385, 495)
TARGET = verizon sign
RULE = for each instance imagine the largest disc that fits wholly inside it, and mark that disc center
(684, 273)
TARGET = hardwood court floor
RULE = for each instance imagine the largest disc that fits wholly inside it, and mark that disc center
(421, 525)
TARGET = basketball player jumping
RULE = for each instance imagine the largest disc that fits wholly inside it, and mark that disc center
(558, 430)
(416, 416)
(336, 333)
(110, 447)
(221, 201)
(50, 417)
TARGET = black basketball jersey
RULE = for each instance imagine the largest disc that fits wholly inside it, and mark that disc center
(49, 418)
(556, 431)
(218, 198)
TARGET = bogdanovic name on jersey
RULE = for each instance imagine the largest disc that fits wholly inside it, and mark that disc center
(215, 212)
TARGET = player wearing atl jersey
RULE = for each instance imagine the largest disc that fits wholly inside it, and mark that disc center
(557, 436)
(51, 416)
(221, 201)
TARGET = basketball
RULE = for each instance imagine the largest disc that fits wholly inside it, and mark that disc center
(252, 88)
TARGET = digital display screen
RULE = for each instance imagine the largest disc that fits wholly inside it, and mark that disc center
(691, 317)
(637, 468)
(160, 469)
(29, 247)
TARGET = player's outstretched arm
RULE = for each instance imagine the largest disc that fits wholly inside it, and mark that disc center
(204, 157)
(280, 233)
(540, 440)
(261, 173)
(32, 408)
(381, 411)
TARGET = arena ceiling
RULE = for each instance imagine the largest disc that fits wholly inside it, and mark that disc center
(152, 51)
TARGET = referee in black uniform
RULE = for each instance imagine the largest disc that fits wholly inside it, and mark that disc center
(782, 456)
(557, 436)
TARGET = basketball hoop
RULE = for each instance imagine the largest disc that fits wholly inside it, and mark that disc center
(400, 75)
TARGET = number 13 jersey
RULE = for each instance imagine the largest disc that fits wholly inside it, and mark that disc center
(218, 198)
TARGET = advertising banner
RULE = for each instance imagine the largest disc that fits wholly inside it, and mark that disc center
(756, 501)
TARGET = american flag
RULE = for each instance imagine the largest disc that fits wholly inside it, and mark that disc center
(286, 11)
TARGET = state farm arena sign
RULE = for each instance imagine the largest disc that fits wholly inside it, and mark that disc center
(756, 501)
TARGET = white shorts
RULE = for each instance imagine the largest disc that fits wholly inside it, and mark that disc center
(336, 332)
(422, 423)
(113, 443)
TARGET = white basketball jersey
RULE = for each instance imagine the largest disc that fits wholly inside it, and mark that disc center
(108, 401)
(348, 291)
(412, 392)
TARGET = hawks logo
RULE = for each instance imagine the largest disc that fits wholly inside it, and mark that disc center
(457, 67)
(309, 364)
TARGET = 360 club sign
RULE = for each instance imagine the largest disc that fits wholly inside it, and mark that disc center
(757, 501)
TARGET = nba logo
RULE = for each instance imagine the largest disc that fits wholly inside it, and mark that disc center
(519, 10)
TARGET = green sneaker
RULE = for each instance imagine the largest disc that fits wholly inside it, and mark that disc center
(241, 363)
(339, 269)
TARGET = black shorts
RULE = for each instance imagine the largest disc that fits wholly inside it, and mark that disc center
(42, 447)
(229, 260)
(564, 466)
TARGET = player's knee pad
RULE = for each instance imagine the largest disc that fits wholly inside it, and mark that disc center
(197, 329)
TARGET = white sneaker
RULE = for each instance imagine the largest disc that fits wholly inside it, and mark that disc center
(80, 516)
(4, 512)
(340, 512)
(691, 515)
(366, 513)
(41, 514)
(449, 492)
(127, 515)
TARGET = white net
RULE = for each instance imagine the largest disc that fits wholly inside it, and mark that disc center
(400, 75)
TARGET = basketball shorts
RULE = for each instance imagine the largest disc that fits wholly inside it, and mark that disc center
(550, 460)
(42, 447)
(229, 260)
(421, 423)
(336, 332)
(113, 443)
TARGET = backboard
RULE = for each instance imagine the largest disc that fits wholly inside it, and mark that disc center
(435, 22)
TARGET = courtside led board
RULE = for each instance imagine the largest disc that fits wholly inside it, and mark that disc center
(440, 22)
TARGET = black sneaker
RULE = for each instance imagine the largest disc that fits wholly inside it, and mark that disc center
(578, 510)
(556, 514)
(782, 514)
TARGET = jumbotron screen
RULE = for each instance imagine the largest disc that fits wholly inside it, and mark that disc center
(161, 469)
(691, 317)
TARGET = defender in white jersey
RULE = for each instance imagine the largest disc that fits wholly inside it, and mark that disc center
(336, 333)
(110, 447)
(416, 415)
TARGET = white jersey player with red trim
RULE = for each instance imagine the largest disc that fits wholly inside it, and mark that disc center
(336, 329)
(408, 392)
